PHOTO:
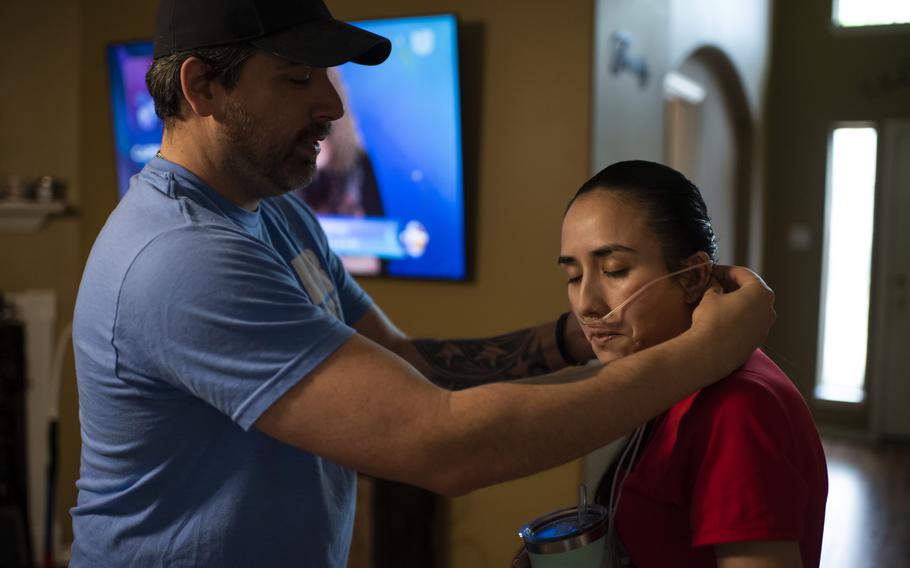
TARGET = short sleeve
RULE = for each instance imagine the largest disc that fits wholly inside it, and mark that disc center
(745, 484)
(354, 300)
(219, 315)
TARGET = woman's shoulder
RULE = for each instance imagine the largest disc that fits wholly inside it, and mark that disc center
(758, 391)
(758, 378)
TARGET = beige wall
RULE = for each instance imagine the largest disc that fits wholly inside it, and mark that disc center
(820, 76)
(39, 135)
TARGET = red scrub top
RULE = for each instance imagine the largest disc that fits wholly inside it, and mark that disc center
(740, 460)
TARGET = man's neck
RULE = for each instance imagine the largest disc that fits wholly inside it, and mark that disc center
(199, 155)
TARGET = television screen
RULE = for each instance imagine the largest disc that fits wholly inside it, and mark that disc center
(137, 129)
(388, 189)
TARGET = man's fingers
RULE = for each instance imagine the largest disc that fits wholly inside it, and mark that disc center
(736, 277)
(714, 286)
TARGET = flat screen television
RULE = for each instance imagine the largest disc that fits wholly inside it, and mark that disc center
(389, 185)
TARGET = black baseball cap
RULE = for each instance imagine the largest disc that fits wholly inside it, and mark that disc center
(302, 31)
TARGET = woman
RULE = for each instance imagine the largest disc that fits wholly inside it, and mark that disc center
(345, 182)
(733, 476)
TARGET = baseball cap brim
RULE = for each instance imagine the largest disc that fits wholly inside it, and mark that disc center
(327, 43)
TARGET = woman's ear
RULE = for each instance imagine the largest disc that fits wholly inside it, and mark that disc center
(696, 280)
(197, 86)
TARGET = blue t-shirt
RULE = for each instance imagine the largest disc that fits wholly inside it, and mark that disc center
(193, 317)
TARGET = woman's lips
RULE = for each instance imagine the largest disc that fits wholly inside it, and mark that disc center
(602, 338)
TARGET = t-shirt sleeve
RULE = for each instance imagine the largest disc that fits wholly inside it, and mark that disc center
(354, 300)
(744, 485)
(222, 317)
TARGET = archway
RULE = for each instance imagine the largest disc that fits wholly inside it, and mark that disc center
(709, 136)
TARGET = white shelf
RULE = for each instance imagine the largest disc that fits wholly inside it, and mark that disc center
(27, 216)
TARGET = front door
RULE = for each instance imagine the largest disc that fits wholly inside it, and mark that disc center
(891, 339)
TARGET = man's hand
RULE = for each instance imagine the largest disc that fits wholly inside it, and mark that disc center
(737, 310)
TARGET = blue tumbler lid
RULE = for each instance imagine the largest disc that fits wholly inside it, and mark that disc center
(561, 530)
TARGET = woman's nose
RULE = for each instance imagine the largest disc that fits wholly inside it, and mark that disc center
(592, 300)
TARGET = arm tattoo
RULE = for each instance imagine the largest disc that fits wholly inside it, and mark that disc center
(462, 363)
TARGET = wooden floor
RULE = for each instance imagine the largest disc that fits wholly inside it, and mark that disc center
(867, 521)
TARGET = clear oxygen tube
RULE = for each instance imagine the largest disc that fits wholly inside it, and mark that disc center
(601, 321)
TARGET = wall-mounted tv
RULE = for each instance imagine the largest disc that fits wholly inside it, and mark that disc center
(389, 187)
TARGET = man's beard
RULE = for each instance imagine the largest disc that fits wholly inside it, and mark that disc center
(272, 166)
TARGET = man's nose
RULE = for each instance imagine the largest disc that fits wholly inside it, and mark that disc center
(329, 106)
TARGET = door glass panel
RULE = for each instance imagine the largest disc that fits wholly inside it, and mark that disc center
(854, 13)
(847, 265)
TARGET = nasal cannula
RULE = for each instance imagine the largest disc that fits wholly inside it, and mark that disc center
(600, 321)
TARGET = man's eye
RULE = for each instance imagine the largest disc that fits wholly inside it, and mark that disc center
(299, 80)
(573, 279)
(617, 273)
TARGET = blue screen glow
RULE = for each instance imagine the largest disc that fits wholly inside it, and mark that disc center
(394, 206)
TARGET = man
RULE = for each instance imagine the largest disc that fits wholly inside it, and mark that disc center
(232, 376)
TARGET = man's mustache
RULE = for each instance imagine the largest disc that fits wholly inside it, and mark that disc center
(318, 131)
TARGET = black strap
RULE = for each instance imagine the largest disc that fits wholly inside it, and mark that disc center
(561, 340)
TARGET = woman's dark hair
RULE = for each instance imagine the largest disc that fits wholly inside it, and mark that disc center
(677, 215)
(163, 78)
(675, 208)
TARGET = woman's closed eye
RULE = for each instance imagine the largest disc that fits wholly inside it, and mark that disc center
(620, 273)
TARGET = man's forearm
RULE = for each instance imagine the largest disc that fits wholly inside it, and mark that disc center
(548, 425)
(457, 364)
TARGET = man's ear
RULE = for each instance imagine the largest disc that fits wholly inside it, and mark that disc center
(197, 86)
(696, 280)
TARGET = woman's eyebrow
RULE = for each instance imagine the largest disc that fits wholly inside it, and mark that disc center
(607, 250)
(600, 252)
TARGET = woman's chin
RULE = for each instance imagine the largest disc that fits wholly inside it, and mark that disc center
(608, 355)
(621, 346)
